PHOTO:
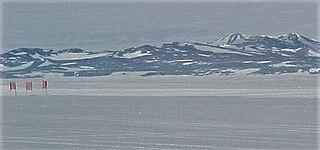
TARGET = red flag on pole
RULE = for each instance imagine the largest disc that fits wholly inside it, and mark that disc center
(44, 84)
(28, 85)
(12, 86)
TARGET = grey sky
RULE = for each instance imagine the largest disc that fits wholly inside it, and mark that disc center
(98, 26)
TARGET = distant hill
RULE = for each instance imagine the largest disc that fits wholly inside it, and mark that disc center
(228, 55)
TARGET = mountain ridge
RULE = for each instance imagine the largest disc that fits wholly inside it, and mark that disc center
(289, 53)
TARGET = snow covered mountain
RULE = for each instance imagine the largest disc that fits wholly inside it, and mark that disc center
(231, 54)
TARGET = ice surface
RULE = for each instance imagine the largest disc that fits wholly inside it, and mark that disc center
(131, 84)
(107, 122)
(164, 112)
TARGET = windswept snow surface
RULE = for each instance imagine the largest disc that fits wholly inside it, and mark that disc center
(171, 112)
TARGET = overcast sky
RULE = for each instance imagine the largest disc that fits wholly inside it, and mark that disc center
(113, 26)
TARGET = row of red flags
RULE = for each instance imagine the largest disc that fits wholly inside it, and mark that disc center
(13, 85)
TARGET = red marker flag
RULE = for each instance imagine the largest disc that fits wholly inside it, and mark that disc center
(44, 84)
(28, 85)
(12, 86)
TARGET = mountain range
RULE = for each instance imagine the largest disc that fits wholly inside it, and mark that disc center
(232, 54)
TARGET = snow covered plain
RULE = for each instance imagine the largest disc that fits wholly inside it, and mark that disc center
(164, 112)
